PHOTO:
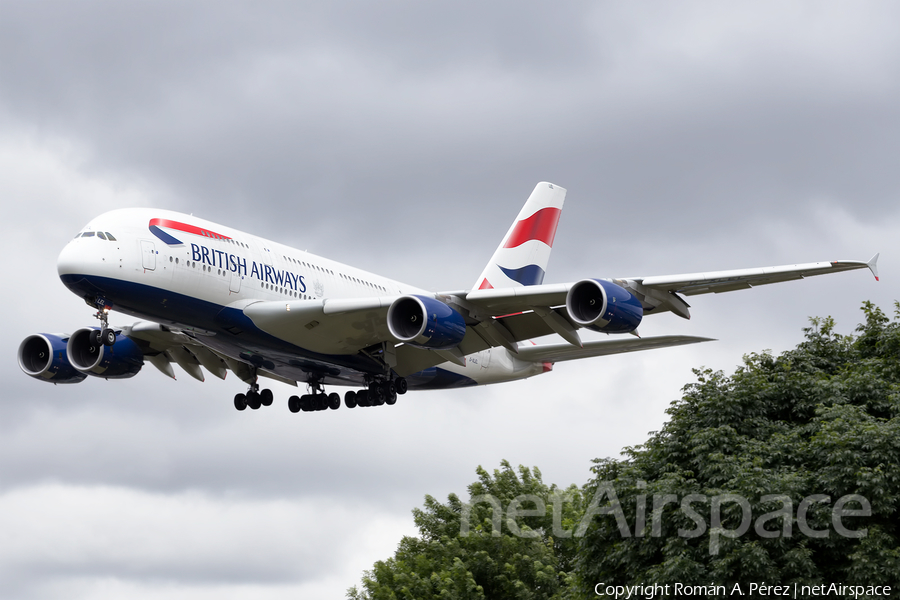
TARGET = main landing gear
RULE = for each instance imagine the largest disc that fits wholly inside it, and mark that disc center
(378, 393)
(317, 400)
(254, 398)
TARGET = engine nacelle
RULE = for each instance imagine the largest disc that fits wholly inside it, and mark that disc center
(424, 322)
(603, 306)
(43, 356)
(120, 361)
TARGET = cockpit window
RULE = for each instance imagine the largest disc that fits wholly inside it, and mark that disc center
(100, 235)
(87, 234)
(110, 237)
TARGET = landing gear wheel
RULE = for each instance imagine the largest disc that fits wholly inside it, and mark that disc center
(334, 401)
(266, 397)
(350, 399)
(390, 393)
(253, 400)
(240, 401)
(362, 398)
(401, 385)
(294, 404)
(95, 337)
(376, 395)
(108, 337)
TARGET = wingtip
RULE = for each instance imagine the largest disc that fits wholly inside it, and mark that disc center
(873, 265)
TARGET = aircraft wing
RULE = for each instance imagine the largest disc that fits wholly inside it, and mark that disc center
(661, 293)
(726, 281)
(506, 316)
(561, 352)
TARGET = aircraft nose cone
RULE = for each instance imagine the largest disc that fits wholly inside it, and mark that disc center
(71, 259)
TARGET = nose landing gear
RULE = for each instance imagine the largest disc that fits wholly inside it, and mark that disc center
(104, 335)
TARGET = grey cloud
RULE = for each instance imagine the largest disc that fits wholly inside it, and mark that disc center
(403, 138)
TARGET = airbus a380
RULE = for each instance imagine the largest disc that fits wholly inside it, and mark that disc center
(215, 298)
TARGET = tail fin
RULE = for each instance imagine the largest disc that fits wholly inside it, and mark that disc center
(522, 256)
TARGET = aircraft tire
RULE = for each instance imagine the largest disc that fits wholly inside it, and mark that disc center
(95, 337)
(362, 398)
(401, 384)
(334, 401)
(294, 404)
(266, 397)
(240, 401)
(350, 399)
(376, 395)
(390, 396)
(253, 400)
(108, 337)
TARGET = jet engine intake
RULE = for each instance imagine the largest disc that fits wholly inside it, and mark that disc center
(43, 356)
(424, 322)
(120, 361)
(603, 306)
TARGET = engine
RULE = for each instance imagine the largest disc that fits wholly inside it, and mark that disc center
(120, 361)
(424, 322)
(43, 356)
(603, 306)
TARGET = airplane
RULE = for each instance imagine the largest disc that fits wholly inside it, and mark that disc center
(210, 297)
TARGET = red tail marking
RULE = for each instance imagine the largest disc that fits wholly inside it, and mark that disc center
(539, 226)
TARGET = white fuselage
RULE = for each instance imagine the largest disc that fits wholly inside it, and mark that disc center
(198, 276)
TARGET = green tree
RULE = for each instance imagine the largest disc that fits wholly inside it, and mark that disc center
(821, 421)
(512, 539)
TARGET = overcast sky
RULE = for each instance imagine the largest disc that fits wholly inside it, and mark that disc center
(403, 138)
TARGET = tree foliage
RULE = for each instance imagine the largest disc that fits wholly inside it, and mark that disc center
(472, 550)
(743, 484)
(822, 419)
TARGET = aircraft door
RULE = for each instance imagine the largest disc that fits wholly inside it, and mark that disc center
(235, 286)
(148, 255)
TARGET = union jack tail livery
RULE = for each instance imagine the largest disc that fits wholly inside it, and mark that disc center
(521, 258)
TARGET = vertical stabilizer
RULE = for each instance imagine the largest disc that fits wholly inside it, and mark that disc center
(522, 256)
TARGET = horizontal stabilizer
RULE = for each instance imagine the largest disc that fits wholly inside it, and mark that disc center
(553, 353)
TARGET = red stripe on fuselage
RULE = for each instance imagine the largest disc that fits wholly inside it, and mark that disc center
(187, 228)
(539, 226)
